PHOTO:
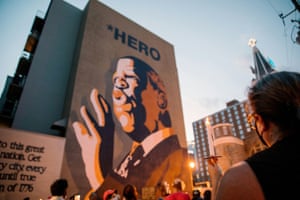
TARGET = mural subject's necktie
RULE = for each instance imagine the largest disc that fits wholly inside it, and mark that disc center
(136, 156)
(131, 160)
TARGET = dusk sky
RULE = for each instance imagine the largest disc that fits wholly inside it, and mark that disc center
(210, 39)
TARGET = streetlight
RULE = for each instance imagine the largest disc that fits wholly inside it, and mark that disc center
(192, 164)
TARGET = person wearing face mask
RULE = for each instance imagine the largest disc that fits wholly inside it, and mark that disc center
(273, 173)
(111, 194)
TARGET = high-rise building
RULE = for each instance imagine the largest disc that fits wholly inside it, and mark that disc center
(14, 85)
(229, 123)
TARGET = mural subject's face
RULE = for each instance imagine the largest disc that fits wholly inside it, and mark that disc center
(135, 100)
(125, 82)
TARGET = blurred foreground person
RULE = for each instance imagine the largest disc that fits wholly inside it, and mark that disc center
(111, 194)
(59, 189)
(178, 193)
(130, 192)
(207, 195)
(162, 190)
(196, 195)
(274, 113)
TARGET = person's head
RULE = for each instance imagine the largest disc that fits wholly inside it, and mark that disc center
(178, 184)
(93, 196)
(163, 189)
(274, 106)
(111, 194)
(130, 192)
(207, 195)
(139, 98)
(59, 187)
(196, 194)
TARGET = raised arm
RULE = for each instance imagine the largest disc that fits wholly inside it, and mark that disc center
(95, 137)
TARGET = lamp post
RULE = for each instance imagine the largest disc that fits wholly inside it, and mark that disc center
(192, 166)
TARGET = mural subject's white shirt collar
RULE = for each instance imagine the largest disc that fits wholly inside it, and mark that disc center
(148, 144)
(154, 139)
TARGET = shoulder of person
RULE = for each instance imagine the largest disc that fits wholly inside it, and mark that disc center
(187, 196)
(239, 182)
(170, 197)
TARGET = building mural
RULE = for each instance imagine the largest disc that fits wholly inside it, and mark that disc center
(126, 120)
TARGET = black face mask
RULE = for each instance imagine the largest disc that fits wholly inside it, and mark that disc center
(252, 123)
(260, 136)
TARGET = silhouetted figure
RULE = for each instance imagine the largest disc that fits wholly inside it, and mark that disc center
(196, 195)
(111, 194)
(207, 195)
(130, 192)
(178, 193)
(59, 189)
(162, 190)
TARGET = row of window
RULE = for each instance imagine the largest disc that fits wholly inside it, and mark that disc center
(235, 115)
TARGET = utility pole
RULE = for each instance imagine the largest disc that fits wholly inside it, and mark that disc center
(296, 4)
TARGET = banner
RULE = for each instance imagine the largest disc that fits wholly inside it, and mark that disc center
(29, 163)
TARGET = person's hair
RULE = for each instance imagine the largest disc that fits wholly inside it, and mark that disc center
(207, 195)
(162, 187)
(196, 193)
(276, 98)
(93, 196)
(59, 187)
(129, 192)
(178, 184)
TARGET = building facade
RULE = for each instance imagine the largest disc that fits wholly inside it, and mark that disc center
(108, 89)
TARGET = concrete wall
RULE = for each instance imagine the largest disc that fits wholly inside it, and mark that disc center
(43, 98)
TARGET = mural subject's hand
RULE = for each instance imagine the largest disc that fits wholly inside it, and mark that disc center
(95, 138)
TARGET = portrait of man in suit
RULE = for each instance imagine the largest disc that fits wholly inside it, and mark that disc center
(140, 108)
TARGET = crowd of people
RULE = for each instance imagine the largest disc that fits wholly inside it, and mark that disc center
(163, 191)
